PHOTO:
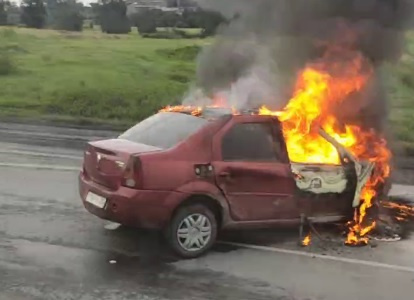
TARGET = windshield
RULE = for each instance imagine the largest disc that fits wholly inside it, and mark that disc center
(164, 130)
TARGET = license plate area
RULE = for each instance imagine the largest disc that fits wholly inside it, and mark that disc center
(96, 200)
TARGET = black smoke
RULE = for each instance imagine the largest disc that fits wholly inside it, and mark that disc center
(256, 55)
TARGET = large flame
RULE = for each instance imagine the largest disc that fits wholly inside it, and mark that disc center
(320, 88)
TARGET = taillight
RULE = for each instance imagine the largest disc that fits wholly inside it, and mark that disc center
(131, 177)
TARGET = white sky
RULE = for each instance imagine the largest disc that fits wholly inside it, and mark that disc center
(83, 1)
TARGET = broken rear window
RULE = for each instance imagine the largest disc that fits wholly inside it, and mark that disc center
(164, 130)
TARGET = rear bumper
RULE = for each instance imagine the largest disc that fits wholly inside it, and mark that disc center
(137, 208)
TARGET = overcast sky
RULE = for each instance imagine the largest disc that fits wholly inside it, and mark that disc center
(83, 1)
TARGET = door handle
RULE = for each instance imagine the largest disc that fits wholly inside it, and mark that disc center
(225, 174)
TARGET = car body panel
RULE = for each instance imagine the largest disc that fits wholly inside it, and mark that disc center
(255, 190)
(250, 194)
(202, 187)
(177, 165)
(138, 208)
(105, 166)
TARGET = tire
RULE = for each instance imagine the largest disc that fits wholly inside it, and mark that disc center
(192, 231)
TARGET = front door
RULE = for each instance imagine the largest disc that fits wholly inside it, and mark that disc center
(253, 171)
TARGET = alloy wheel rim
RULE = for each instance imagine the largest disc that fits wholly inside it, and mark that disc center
(194, 232)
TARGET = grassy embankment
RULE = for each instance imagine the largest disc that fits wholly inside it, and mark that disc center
(400, 86)
(91, 77)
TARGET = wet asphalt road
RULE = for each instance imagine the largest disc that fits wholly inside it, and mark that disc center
(51, 248)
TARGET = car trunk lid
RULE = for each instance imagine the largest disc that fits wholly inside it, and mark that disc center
(105, 161)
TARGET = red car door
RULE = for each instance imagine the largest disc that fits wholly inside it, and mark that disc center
(253, 171)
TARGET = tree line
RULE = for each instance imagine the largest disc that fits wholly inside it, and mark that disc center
(58, 14)
(113, 16)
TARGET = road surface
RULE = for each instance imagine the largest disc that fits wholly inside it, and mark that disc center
(51, 248)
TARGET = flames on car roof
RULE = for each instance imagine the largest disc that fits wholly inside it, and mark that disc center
(208, 112)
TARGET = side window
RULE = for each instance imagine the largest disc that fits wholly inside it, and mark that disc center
(250, 142)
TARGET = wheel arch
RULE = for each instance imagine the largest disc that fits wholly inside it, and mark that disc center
(207, 193)
(208, 201)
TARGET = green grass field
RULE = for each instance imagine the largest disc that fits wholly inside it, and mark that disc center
(92, 77)
(400, 86)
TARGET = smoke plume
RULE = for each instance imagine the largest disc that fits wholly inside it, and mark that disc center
(255, 57)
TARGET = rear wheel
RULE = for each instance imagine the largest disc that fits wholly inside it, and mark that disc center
(192, 231)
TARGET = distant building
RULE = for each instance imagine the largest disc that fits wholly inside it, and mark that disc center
(136, 6)
(150, 3)
(187, 4)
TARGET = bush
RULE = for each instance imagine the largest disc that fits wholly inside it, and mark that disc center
(34, 13)
(169, 19)
(210, 21)
(146, 26)
(145, 21)
(68, 17)
(113, 18)
(7, 65)
(148, 21)
(3, 13)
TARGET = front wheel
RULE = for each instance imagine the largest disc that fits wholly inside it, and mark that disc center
(192, 231)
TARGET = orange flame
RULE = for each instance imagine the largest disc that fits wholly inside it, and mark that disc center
(321, 88)
(404, 212)
(193, 110)
(307, 240)
(217, 102)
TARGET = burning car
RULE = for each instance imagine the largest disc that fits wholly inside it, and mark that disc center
(240, 156)
(194, 171)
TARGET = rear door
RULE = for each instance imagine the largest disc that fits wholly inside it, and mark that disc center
(253, 171)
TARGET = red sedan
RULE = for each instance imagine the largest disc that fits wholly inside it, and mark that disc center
(191, 176)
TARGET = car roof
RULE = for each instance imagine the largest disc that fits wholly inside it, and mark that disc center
(215, 113)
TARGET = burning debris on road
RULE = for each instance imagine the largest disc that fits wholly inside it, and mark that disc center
(402, 212)
(307, 240)
(336, 49)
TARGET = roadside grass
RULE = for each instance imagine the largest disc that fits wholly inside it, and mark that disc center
(95, 78)
(91, 75)
(400, 86)
(188, 30)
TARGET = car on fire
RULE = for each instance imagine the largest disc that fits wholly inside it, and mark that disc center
(193, 174)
